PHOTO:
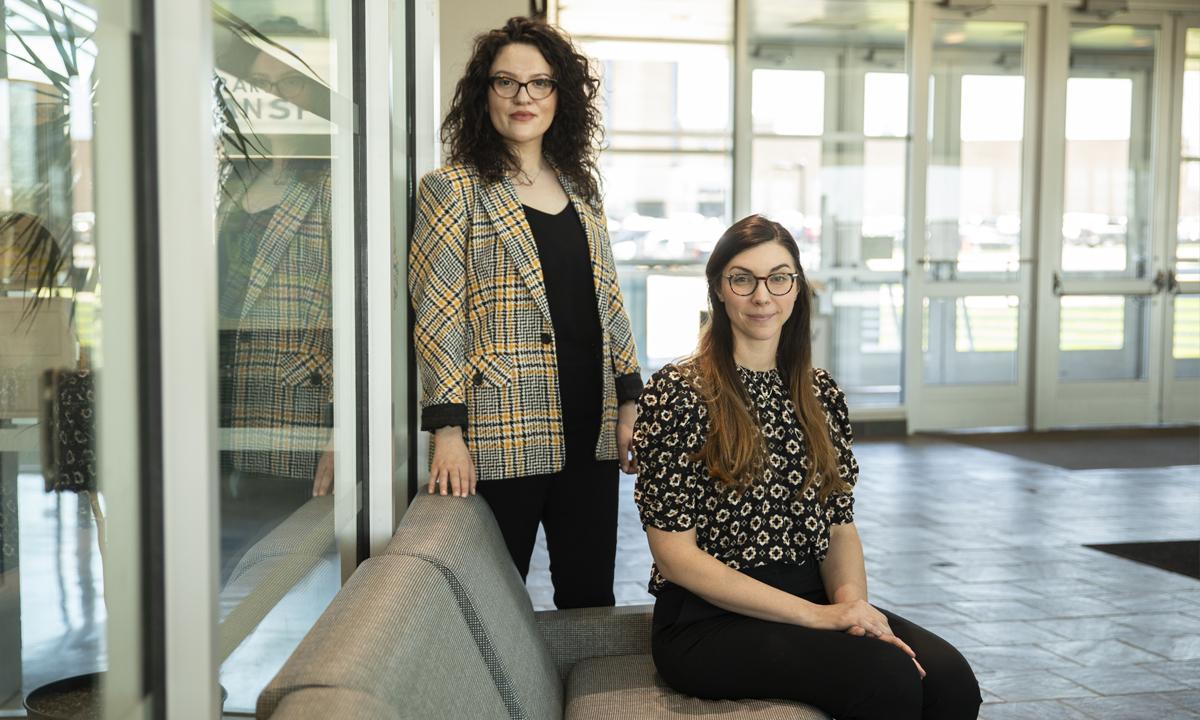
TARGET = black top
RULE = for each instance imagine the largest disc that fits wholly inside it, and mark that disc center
(770, 523)
(562, 248)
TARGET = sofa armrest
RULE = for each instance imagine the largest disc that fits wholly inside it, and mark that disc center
(572, 635)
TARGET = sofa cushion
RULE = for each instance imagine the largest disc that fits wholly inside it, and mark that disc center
(626, 686)
(578, 633)
(323, 703)
(394, 632)
(460, 536)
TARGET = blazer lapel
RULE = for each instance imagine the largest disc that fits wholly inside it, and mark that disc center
(285, 223)
(508, 218)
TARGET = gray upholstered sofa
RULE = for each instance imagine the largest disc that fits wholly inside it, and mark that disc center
(440, 626)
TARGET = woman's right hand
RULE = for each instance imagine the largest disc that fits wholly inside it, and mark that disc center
(451, 470)
(860, 618)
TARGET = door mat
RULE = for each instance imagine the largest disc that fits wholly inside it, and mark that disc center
(1094, 449)
(1178, 556)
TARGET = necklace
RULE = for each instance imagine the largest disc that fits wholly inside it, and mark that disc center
(522, 178)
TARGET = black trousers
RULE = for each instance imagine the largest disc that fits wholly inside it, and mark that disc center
(578, 508)
(702, 650)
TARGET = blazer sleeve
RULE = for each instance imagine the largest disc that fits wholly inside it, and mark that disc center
(626, 374)
(437, 281)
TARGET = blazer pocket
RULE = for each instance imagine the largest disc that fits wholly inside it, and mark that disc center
(304, 370)
(489, 370)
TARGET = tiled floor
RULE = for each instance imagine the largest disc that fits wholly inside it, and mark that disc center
(986, 550)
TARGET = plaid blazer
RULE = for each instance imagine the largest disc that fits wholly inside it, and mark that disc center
(484, 339)
(277, 379)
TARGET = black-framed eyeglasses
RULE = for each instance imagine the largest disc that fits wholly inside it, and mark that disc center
(746, 284)
(537, 88)
(286, 87)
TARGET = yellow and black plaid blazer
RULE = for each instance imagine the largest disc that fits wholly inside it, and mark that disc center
(277, 381)
(484, 339)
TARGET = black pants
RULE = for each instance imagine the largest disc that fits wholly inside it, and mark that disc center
(578, 507)
(702, 650)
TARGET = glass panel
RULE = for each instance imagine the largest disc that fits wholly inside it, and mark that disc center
(973, 207)
(54, 497)
(1106, 202)
(788, 102)
(675, 307)
(971, 340)
(665, 206)
(862, 339)
(274, 247)
(691, 20)
(788, 188)
(1185, 345)
(1187, 249)
(830, 108)
(1102, 338)
(676, 90)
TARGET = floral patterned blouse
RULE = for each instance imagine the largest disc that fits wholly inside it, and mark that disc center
(772, 522)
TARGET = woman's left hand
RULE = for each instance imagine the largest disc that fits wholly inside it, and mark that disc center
(626, 416)
(887, 637)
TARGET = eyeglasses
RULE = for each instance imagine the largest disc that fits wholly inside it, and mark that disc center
(746, 284)
(286, 87)
(537, 88)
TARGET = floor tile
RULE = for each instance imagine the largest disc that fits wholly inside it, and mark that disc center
(1007, 633)
(1040, 710)
(1119, 680)
(1014, 657)
(1099, 652)
(1131, 707)
(1182, 671)
(991, 610)
(1172, 647)
(1038, 685)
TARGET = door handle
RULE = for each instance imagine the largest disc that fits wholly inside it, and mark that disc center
(1162, 280)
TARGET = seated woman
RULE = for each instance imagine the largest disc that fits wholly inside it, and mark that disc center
(744, 485)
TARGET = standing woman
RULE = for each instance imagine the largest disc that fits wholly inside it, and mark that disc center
(745, 490)
(527, 361)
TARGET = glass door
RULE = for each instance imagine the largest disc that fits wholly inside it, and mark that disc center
(828, 140)
(1104, 231)
(1181, 366)
(970, 281)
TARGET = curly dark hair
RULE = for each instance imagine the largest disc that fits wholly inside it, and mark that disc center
(573, 140)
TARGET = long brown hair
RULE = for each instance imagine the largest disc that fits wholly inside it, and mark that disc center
(573, 140)
(734, 450)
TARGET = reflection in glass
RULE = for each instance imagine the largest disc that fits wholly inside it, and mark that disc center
(973, 201)
(52, 500)
(1102, 338)
(970, 339)
(1106, 201)
(278, 568)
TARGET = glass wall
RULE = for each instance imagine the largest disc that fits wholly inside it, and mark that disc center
(667, 168)
(1107, 199)
(829, 118)
(1185, 341)
(974, 195)
(68, 496)
(284, 174)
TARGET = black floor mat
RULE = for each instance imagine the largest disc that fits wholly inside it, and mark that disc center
(1095, 449)
(1178, 556)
